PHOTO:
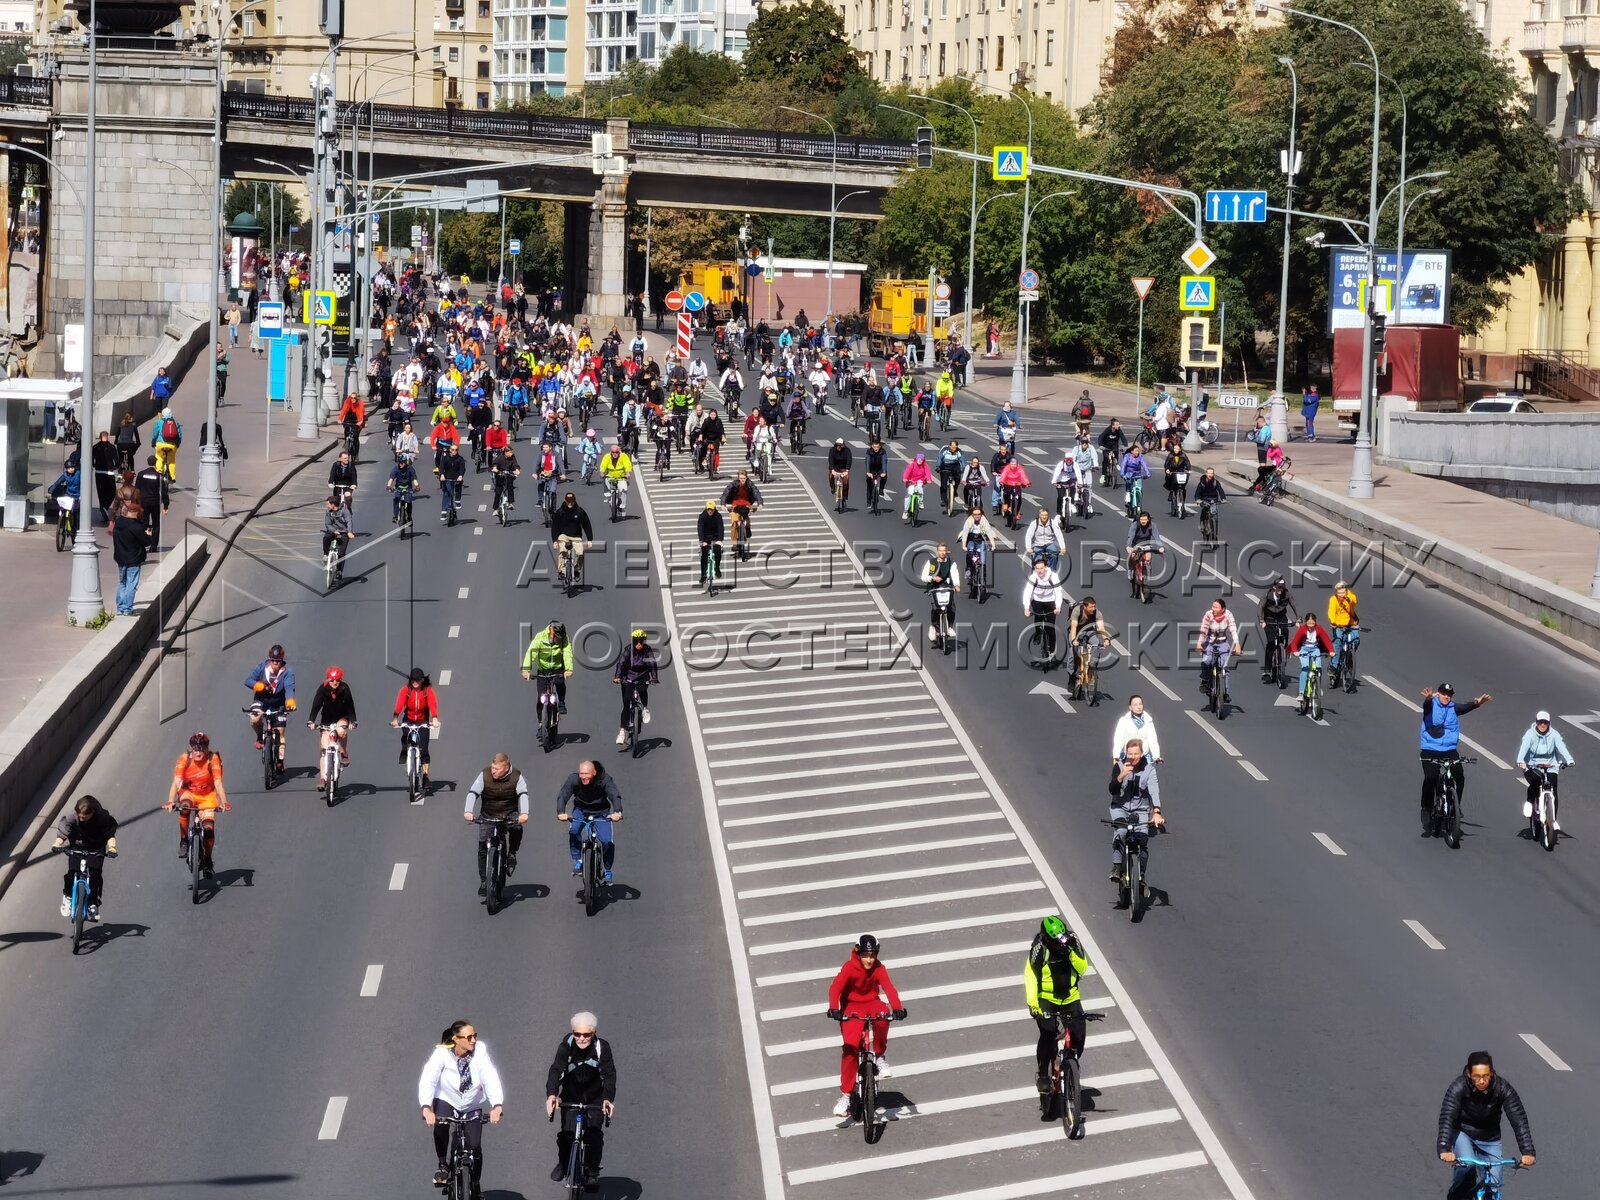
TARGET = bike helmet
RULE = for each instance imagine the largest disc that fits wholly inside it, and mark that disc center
(334, 675)
(1054, 929)
(276, 655)
(588, 433)
(640, 635)
(867, 944)
(199, 741)
(838, 441)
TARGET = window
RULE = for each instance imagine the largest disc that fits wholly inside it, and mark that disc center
(647, 45)
(647, 8)
(594, 60)
(278, 27)
(978, 58)
(249, 24)
(557, 60)
(872, 14)
(502, 27)
(595, 23)
(923, 62)
(961, 56)
(632, 25)
(886, 65)
(502, 62)
(613, 58)
(941, 62)
(1480, 14)
(438, 53)
(558, 30)
(944, 8)
(455, 53)
(483, 101)
(483, 69)
(483, 9)
(1049, 47)
(613, 24)
(1000, 53)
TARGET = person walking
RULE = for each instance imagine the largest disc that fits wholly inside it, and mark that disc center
(1310, 402)
(130, 544)
(103, 461)
(154, 497)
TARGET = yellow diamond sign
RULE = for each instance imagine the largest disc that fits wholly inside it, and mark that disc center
(1198, 257)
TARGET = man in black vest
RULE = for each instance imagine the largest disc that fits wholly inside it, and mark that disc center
(499, 791)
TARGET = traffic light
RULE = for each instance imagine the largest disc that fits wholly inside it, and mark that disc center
(924, 145)
(1379, 324)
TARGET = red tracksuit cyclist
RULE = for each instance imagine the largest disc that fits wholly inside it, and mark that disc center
(855, 992)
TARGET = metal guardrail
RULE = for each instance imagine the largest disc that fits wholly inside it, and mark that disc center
(577, 131)
(24, 92)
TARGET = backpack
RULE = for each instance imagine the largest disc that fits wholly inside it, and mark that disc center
(170, 432)
(1086, 408)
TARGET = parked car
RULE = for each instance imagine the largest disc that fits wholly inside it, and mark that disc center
(1501, 404)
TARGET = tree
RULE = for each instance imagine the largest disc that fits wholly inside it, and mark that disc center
(803, 44)
(688, 74)
(12, 56)
(272, 203)
(680, 236)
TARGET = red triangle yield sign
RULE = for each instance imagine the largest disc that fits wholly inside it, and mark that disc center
(1142, 285)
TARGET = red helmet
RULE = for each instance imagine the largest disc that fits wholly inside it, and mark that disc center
(334, 675)
(199, 741)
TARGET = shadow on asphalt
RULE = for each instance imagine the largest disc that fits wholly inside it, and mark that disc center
(7, 940)
(16, 1163)
(98, 937)
(211, 888)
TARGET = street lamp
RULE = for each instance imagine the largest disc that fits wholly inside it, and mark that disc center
(1405, 211)
(833, 192)
(1278, 405)
(1019, 370)
(972, 219)
(1025, 312)
(1361, 486)
(705, 116)
(612, 103)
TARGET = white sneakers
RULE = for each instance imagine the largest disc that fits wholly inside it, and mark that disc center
(647, 716)
(841, 1106)
(622, 737)
(1527, 809)
(884, 1070)
(66, 906)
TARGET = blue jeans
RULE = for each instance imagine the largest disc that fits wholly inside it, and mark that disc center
(1342, 634)
(1050, 554)
(602, 831)
(127, 588)
(1307, 657)
(1464, 1178)
(449, 489)
(1219, 653)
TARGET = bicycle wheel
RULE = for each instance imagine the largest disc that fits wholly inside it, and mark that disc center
(1136, 888)
(1071, 1097)
(915, 510)
(269, 755)
(635, 724)
(1208, 527)
(1089, 679)
(551, 718)
(462, 1179)
(1349, 666)
(413, 776)
(497, 874)
(62, 532)
(1547, 822)
(1314, 686)
(591, 877)
(575, 1165)
(868, 1083)
(330, 774)
(80, 904)
(1124, 895)
(1452, 828)
(197, 852)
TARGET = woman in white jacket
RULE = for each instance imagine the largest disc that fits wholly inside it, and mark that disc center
(458, 1079)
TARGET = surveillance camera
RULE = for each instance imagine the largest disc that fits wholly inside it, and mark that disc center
(1316, 239)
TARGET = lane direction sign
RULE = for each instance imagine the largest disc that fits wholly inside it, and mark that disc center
(1230, 207)
(694, 301)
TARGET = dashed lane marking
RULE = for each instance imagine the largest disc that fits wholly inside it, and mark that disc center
(1428, 940)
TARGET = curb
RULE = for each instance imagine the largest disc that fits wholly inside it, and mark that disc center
(138, 675)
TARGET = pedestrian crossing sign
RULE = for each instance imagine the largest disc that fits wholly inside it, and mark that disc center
(321, 307)
(1010, 163)
(1197, 293)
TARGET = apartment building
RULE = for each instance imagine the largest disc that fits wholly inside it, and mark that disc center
(539, 45)
(710, 25)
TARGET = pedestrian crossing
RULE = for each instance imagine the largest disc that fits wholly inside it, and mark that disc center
(843, 797)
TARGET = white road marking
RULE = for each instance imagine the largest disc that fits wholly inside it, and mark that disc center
(1216, 735)
(794, 889)
(397, 877)
(1252, 770)
(1428, 940)
(444, 677)
(816, 1008)
(1061, 1185)
(847, 751)
(854, 719)
(816, 860)
(1153, 678)
(369, 983)
(478, 532)
(455, 631)
(1481, 750)
(462, 594)
(1331, 845)
(844, 910)
(332, 1118)
(953, 1062)
(840, 789)
(483, 508)
(1536, 1044)
(913, 960)
(852, 809)
(1011, 1141)
(1026, 917)
(472, 556)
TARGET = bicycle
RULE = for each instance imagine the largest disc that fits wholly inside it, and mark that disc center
(1542, 823)
(577, 1157)
(971, 497)
(1066, 1090)
(547, 500)
(663, 458)
(613, 499)
(1345, 640)
(548, 709)
(941, 618)
(864, 1096)
(403, 517)
(413, 764)
(713, 568)
(1311, 695)
(741, 533)
(1211, 680)
(78, 897)
(1086, 684)
(514, 419)
(458, 1164)
(1133, 893)
(713, 459)
(841, 489)
(452, 492)
(1485, 1189)
(875, 493)
(499, 851)
(1277, 638)
(66, 521)
(1141, 572)
(352, 441)
(1064, 505)
(949, 488)
(194, 850)
(797, 436)
(569, 570)
(591, 467)
(1178, 497)
(1132, 495)
(1208, 522)
(333, 565)
(273, 721)
(331, 760)
(1274, 487)
(924, 423)
(764, 461)
(591, 860)
(914, 504)
(635, 723)
(977, 577)
(1446, 816)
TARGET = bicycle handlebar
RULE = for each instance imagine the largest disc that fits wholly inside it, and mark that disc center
(1458, 758)
(80, 852)
(884, 1016)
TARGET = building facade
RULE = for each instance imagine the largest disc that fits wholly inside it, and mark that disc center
(715, 26)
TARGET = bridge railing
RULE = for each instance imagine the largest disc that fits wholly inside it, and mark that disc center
(23, 92)
(577, 131)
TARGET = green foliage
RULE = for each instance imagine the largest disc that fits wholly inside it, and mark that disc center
(687, 75)
(469, 243)
(803, 44)
(12, 56)
(272, 204)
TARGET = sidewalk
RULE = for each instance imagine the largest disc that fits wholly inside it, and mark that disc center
(1537, 565)
(34, 578)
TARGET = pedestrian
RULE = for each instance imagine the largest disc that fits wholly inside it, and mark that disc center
(154, 497)
(130, 543)
(128, 441)
(222, 371)
(103, 462)
(234, 317)
(161, 388)
(205, 438)
(1310, 401)
(1261, 435)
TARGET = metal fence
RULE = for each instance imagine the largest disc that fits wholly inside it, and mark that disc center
(21, 91)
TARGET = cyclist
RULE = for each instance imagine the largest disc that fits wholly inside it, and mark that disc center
(1010, 480)
(710, 530)
(459, 1078)
(636, 670)
(417, 705)
(570, 530)
(507, 469)
(271, 683)
(1085, 627)
(591, 450)
(1277, 606)
(1044, 540)
(742, 495)
(499, 791)
(405, 442)
(1113, 443)
(1083, 413)
(1135, 724)
(1542, 746)
(87, 827)
(949, 464)
(1041, 603)
(403, 482)
(1177, 462)
(862, 988)
(915, 477)
(452, 472)
(615, 468)
(1134, 471)
(1209, 489)
(1441, 735)
(342, 477)
(712, 435)
(1469, 1122)
(593, 794)
(197, 785)
(1143, 538)
(480, 418)
(944, 391)
(973, 481)
(548, 652)
(997, 463)
(1310, 641)
(1218, 640)
(495, 438)
(1065, 479)
(799, 414)
(333, 705)
(1344, 621)
(336, 531)
(1135, 797)
(840, 460)
(583, 1072)
(763, 439)
(444, 436)
(877, 466)
(1050, 975)
(1007, 424)
(872, 409)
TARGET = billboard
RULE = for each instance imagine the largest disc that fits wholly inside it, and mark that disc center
(1418, 295)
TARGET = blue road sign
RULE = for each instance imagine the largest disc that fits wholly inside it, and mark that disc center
(1197, 293)
(1028, 281)
(1236, 208)
(515, 246)
(752, 268)
(278, 369)
(269, 319)
(694, 301)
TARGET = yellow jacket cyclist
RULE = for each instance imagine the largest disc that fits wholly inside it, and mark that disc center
(550, 651)
(1050, 983)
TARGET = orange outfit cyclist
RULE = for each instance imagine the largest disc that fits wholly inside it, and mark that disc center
(855, 992)
(197, 784)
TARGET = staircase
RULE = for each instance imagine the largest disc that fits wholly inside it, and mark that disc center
(1566, 375)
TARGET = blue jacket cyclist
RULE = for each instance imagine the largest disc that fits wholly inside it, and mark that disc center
(595, 799)
(1542, 746)
(1441, 735)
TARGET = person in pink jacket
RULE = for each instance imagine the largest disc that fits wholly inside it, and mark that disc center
(915, 476)
(1011, 476)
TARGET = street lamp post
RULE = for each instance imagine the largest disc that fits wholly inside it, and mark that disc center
(1019, 371)
(972, 210)
(1025, 311)
(1361, 486)
(833, 192)
(1278, 405)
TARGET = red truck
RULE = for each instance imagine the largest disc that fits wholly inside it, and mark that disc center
(1420, 364)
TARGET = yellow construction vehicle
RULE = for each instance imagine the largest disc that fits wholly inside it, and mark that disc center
(717, 281)
(899, 313)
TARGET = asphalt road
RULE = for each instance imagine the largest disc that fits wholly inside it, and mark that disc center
(199, 1049)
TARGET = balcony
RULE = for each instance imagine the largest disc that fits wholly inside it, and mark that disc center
(1580, 36)
(1541, 37)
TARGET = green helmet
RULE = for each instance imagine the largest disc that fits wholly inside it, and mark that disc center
(1055, 930)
